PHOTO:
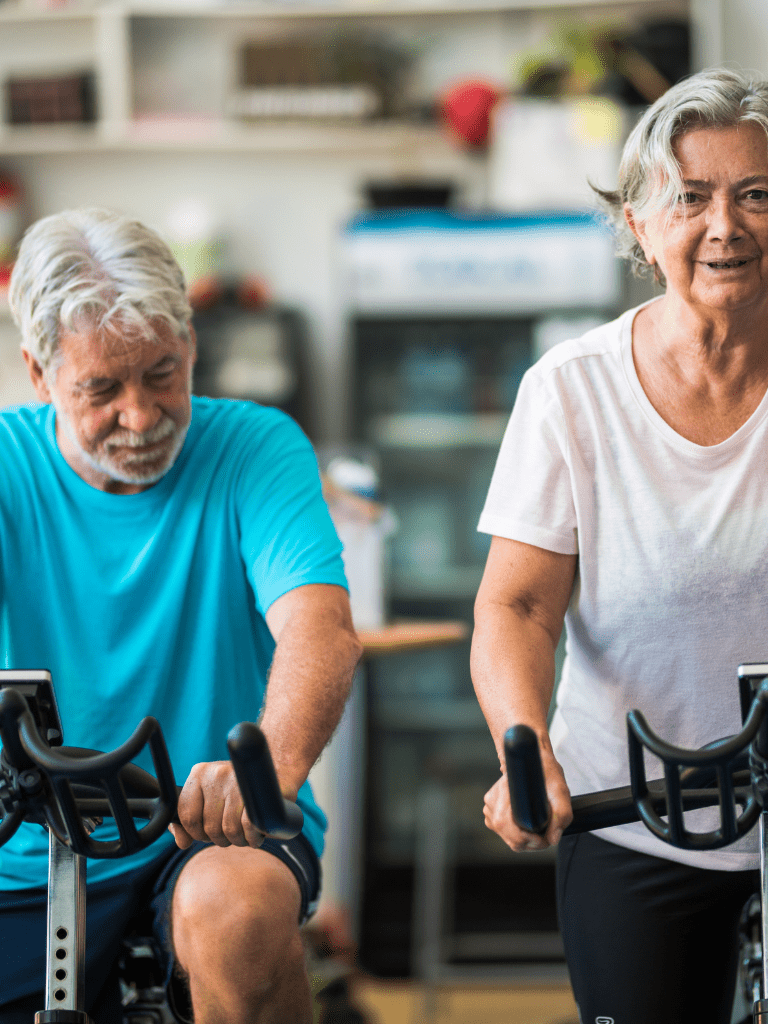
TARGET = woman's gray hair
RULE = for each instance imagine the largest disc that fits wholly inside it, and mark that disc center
(649, 174)
(97, 268)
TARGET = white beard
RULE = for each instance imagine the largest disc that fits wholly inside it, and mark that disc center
(130, 469)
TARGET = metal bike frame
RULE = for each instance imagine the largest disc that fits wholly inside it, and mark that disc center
(65, 955)
(760, 1007)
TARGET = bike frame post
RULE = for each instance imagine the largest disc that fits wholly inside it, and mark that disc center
(65, 958)
(760, 1008)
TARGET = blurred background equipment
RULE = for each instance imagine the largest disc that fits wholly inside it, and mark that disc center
(364, 526)
(409, 193)
(254, 353)
(447, 311)
(544, 153)
(247, 346)
(411, 259)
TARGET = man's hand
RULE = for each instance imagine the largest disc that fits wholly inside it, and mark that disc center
(211, 809)
(498, 811)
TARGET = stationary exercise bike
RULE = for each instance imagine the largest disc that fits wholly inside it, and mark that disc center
(69, 790)
(730, 774)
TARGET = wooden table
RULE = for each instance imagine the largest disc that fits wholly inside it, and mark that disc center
(410, 635)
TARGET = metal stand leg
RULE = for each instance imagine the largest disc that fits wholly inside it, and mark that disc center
(65, 960)
(429, 894)
(760, 1008)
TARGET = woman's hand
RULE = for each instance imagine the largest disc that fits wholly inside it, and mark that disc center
(519, 616)
(498, 811)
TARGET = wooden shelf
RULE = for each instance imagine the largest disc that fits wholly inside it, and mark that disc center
(22, 12)
(15, 13)
(73, 138)
(215, 136)
(358, 9)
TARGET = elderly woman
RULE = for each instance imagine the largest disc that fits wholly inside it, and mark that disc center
(630, 501)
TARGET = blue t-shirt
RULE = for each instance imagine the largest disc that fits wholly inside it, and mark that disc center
(154, 603)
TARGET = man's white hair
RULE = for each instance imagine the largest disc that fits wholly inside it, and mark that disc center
(96, 268)
(649, 173)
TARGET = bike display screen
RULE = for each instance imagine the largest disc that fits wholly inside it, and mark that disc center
(36, 685)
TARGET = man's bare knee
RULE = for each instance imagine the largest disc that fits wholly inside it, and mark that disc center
(227, 912)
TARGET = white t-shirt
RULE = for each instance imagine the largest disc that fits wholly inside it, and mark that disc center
(671, 593)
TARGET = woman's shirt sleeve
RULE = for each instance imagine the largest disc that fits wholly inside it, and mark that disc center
(530, 498)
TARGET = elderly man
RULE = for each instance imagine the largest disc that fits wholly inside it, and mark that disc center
(160, 554)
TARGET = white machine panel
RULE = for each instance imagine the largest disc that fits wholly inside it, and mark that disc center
(439, 262)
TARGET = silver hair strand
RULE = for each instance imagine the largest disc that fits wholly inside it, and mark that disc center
(97, 268)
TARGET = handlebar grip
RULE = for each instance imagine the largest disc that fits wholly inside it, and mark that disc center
(527, 793)
(265, 805)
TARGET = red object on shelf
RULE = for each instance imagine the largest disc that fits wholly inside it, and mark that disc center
(11, 224)
(466, 110)
(253, 292)
(205, 292)
(5, 280)
(9, 190)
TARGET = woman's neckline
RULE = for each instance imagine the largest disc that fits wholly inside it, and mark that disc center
(657, 419)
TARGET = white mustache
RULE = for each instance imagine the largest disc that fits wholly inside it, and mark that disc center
(130, 439)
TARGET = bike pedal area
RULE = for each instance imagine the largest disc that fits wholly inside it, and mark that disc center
(142, 989)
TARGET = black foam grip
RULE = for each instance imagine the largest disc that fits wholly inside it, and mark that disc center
(527, 793)
(264, 803)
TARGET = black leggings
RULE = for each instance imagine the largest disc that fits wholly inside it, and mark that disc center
(648, 940)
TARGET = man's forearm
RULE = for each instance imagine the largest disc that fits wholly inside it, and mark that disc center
(309, 682)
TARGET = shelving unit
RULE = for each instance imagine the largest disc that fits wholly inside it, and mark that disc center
(123, 43)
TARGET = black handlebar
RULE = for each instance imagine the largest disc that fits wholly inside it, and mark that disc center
(530, 807)
(722, 759)
(265, 805)
(39, 783)
(62, 788)
(723, 774)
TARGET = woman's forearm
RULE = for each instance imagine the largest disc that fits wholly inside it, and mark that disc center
(513, 671)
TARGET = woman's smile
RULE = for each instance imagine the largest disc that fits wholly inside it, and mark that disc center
(733, 264)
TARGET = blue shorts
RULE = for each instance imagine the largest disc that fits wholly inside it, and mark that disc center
(137, 900)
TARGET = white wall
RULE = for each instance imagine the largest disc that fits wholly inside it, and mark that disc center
(745, 34)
